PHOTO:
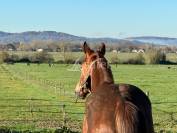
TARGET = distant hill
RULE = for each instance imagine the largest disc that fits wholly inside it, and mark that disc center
(155, 40)
(30, 36)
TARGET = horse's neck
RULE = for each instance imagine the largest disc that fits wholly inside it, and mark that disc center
(100, 76)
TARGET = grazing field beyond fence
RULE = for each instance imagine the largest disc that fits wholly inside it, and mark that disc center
(151, 57)
(40, 97)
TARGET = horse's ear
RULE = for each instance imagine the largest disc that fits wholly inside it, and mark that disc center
(86, 48)
(102, 49)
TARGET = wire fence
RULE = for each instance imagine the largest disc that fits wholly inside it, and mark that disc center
(32, 113)
(41, 116)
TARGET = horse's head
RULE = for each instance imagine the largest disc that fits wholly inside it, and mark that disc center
(84, 86)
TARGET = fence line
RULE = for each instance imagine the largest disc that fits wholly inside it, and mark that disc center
(27, 77)
(48, 118)
(45, 115)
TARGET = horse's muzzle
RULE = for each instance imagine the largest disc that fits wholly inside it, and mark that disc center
(80, 95)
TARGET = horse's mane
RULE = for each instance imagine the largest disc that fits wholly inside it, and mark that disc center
(106, 69)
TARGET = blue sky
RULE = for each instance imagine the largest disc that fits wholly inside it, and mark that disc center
(91, 18)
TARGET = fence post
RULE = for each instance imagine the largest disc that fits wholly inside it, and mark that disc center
(60, 88)
(31, 107)
(147, 93)
(63, 91)
(64, 115)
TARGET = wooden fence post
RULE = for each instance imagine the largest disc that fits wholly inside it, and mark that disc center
(64, 115)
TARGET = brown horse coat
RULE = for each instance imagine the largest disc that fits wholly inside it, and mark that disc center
(128, 106)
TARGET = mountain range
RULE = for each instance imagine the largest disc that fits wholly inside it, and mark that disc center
(30, 36)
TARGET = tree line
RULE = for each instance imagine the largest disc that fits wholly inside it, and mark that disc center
(153, 54)
(58, 46)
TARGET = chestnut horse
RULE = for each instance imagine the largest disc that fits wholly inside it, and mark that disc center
(111, 108)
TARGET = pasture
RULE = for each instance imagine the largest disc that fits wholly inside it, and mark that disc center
(40, 97)
(58, 56)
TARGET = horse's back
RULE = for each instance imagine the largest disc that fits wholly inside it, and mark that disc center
(100, 110)
(121, 108)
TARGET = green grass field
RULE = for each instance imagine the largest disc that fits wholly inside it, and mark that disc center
(32, 97)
